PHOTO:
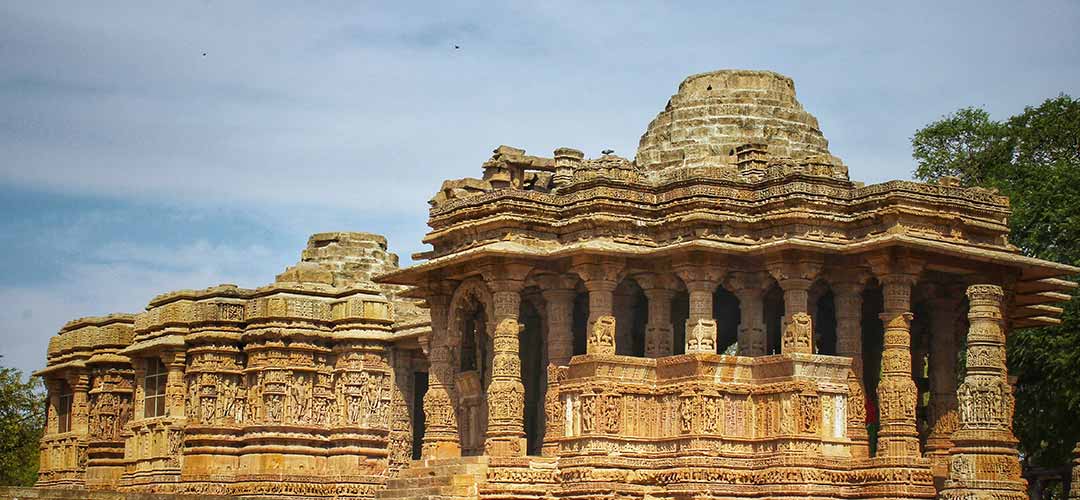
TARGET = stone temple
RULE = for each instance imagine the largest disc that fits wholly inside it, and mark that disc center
(727, 315)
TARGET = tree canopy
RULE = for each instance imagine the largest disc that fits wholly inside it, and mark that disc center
(1034, 159)
(22, 420)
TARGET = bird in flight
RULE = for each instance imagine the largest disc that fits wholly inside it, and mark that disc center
(457, 47)
(607, 151)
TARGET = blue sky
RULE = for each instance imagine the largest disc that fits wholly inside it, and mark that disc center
(131, 164)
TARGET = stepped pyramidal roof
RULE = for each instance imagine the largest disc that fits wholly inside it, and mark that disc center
(714, 113)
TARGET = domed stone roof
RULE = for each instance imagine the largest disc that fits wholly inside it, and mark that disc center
(715, 112)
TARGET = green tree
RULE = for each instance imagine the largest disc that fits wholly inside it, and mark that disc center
(22, 420)
(1034, 159)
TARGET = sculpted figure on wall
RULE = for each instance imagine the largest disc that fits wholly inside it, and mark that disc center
(602, 336)
(701, 336)
(798, 335)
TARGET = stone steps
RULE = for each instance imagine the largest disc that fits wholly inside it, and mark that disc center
(438, 479)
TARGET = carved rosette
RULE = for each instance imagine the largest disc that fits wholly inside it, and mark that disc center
(505, 393)
(984, 462)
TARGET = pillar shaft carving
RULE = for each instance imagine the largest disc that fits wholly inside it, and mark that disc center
(560, 321)
(441, 428)
(795, 272)
(984, 462)
(80, 402)
(659, 332)
(506, 394)
(175, 389)
(896, 391)
(660, 289)
(399, 446)
(554, 411)
(943, 418)
(749, 287)
(701, 283)
(600, 279)
(848, 299)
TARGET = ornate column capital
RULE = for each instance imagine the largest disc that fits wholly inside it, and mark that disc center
(747, 283)
(78, 380)
(552, 282)
(656, 281)
(896, 290)
(700, 277)
(795, 267)
(897, 262)
(848, 281)
(438, 302)
(597, 270)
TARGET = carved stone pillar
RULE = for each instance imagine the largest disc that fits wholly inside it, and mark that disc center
(555, 426)
(701, 282)
(749, 287)
(848, 299)
(899, 436)
(944, 309)
(399, 449)
(560, 321)
(441, 439)
(659, 334)
(174, 383)
(795, 272)
(80, 402)
(984, 462)
(600, 279)
(138, 366)
(52, 423)
(506, 394)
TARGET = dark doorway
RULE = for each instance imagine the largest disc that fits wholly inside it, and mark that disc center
(774, 316)
(872, 339)
(825, 325)
(420, 387)
(680, 312)
(631, 318)
(727, 315)
(533, 376)
(474, 342)
(581, 322)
